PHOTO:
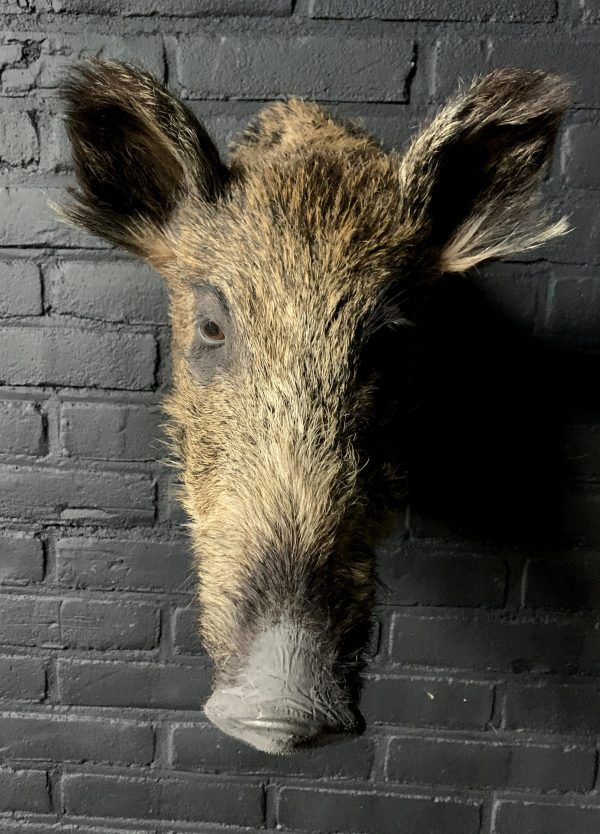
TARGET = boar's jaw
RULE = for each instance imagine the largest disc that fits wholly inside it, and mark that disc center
(285, 697)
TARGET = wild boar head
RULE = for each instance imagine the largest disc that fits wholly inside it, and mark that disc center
(290, 273)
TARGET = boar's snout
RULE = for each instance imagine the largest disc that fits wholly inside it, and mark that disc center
(284, 696)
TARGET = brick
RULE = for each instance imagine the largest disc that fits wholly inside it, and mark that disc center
(530, 11)
(26, 219)
(24, 790)
(189, 799)
(22, 678)
(536, 818)
(20, 288)
(67, 738)
(427, 702)
(109, 290)
(581, 445)
(38, 60)
(55, 151)
(75, 495)
(179, 8)
(19, 146)
(52, 827)
(475, 764)
(553, 708)
(21, 428)
(582, 244)
(110, 432)
(418, 575)
(22, 6)
(422, 523)
(244, 67)
(580, 157)
(28, 621)
(123, 564)
(571, 583)
(573, 312)
(76, 357)
(185, 631)
(10, 52)
(326, 810)
(21, 560)
(575, 57)
(540, 646)
(514, 291)
(204, 748)
(590, 10)
(147, 685)
(580, 514)
(93, 624)
(174, 510)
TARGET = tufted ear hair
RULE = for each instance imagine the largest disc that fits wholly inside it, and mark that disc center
(470, 180)
(138, 154)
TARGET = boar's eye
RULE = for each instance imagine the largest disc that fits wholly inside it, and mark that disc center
(209, 351)
(210, 332)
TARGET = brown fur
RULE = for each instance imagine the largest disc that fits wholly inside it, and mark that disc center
(314, 236)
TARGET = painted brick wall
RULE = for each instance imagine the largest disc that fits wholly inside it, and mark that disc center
(483, 698)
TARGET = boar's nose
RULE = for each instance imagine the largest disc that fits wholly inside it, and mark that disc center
(284, 695)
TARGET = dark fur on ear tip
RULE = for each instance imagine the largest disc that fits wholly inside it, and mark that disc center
(518, 96)
(137, 151)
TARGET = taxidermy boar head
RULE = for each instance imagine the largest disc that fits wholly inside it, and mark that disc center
(290, 270)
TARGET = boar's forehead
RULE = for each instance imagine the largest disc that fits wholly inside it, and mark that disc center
(315, 231)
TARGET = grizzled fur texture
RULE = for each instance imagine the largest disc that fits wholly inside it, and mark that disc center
(304, 251)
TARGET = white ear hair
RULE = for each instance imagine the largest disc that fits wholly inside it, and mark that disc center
(471, 179)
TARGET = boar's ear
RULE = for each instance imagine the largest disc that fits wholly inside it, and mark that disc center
(138, 153)
(471, 179)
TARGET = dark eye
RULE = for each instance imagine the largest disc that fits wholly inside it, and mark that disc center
(211, 333)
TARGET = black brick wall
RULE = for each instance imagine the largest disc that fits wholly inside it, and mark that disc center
(483, 696)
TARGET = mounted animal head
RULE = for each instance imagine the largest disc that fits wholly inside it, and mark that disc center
(290, 272)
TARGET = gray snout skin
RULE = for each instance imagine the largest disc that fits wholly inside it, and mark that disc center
(285, 697)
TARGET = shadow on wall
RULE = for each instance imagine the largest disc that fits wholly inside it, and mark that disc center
(498, 444)
(504, 508)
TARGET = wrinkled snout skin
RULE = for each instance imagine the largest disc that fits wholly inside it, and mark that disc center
(291, 274)
(285, 696)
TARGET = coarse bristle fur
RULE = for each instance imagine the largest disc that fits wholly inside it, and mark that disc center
(304, 250)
